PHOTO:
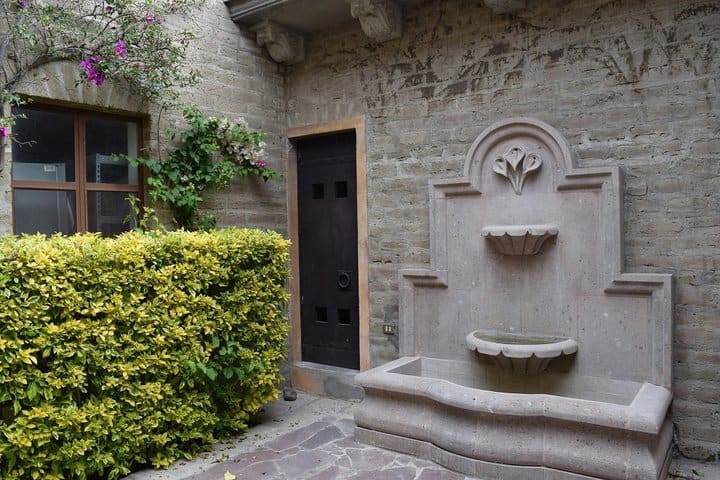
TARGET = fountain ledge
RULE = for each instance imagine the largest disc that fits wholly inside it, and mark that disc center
(461, 427)
(645, 414)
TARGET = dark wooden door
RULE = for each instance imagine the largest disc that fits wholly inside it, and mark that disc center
(327, 211)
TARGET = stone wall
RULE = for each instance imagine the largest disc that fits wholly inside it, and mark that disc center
(238, 79)
(630, 83)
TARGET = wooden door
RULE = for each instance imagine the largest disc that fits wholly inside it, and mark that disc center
(328, 245)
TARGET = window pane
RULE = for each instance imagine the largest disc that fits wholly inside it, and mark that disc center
(103, 138)
(107, 212)
(44, 211)
(45, 147)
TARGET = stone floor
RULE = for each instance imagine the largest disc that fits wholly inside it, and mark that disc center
(312, 438)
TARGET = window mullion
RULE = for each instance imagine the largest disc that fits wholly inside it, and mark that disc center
(82, 208)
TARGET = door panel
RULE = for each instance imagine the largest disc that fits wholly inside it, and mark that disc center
(327, 211)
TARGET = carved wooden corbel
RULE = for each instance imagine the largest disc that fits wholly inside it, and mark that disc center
(284, 45)
(381, 20)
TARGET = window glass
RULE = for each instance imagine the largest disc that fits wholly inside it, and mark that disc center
(103, 140)
(45, 146)
(107, 212)
(67, 176)
(44, 211)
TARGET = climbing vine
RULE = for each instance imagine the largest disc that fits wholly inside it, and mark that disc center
(210, 154)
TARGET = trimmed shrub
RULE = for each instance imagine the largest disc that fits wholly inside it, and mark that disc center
(135, 350)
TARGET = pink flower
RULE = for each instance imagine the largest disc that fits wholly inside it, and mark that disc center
(23, 4)
(120, 49)
(4, 131)
(93, 73)
(260, 164)
(151, 18)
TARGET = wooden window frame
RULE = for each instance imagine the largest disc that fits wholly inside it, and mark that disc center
(81, 186)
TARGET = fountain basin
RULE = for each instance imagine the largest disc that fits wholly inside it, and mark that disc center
(483, 422)
(519, 239)
(522, 353)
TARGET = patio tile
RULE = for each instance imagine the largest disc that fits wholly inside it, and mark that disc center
(295, 437)
(324, 436)
(256, 456)
(330, 473)
(398, 473)
(304, 462)
(347, 426)
(370, 458)
(255, 471)
(439, 474)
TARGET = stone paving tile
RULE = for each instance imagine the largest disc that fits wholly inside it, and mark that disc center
(397, 473)
(327, 434)
(255, 471)
(305, 463)
(439, 474)
(330, 473)
(260, 455)
(295, 437)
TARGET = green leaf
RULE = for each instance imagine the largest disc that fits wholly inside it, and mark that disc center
(32, 391)
(211, 373)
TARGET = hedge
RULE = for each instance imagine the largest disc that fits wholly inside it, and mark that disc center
(119, 353)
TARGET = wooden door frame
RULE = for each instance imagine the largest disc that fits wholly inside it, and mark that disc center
(356, 124)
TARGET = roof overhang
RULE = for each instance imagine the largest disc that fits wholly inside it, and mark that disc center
(281, 24)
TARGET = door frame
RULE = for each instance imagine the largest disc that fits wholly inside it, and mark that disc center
(301, 377)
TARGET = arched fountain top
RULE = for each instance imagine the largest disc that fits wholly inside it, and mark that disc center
(519, 132)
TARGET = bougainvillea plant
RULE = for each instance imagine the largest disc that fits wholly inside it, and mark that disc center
(210, 154)
(114, 39)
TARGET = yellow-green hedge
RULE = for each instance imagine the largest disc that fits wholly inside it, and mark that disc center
(117, 353)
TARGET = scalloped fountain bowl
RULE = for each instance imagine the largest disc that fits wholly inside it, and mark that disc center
(519, 239)
(519, 352)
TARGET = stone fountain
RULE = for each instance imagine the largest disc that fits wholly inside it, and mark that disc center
(526, 351)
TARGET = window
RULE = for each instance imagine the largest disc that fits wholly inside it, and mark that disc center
(65, 176)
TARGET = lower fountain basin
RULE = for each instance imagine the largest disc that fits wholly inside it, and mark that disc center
(519, 352)
(483, 422)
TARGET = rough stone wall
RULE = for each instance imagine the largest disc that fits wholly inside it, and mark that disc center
(238, 79)
(627, 82)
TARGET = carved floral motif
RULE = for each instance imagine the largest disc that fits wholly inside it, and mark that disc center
(515, 165)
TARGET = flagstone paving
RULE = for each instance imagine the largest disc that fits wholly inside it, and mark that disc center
(325, 450)
(312, 438)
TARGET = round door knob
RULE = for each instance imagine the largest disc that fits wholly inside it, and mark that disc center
(343, 280)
